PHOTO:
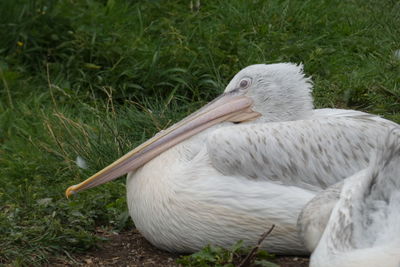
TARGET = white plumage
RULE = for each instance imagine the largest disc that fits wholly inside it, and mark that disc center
(233, 181)
(361, 222)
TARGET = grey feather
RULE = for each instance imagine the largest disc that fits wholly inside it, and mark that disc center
(364, 225)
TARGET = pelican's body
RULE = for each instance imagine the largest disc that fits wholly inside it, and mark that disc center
(232, 183)
(207, 180)
(362, 225)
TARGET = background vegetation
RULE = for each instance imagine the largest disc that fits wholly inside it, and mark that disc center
(95, 78)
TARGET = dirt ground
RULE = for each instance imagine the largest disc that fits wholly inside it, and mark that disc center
(131, 249)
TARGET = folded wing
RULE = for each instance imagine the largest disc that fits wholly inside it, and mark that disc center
(312, 154)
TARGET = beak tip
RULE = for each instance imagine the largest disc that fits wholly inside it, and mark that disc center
(70, 191)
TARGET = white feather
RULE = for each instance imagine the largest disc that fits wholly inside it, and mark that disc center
(81, 162)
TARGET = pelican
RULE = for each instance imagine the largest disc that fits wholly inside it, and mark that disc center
(253, 157)
(360, 220)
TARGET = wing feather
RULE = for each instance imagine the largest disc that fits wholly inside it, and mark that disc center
(364, 226)
(312, 154)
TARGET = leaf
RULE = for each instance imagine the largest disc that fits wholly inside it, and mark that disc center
(237, 246)
(92, 66)
(262, 254)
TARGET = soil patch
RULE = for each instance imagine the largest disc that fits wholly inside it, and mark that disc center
(132, 249)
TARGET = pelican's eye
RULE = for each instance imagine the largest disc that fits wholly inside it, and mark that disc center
(244, 83)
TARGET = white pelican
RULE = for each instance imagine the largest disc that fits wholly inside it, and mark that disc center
(360, 220)
(210, 179)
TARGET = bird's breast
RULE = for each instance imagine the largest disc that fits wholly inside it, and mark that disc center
(182, 203)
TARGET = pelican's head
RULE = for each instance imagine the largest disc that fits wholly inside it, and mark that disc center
(275, 92)
(280, 92)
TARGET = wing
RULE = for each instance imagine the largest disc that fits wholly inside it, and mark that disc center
(376, 210)
(366, 214)
(312, 154)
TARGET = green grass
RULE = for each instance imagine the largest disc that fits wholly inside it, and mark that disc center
(95, 78)
(222, 257)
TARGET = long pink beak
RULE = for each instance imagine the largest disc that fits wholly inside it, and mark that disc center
(227, 107)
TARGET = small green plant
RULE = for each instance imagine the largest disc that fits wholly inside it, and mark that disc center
(232, 257)
(235, 256)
